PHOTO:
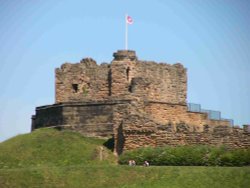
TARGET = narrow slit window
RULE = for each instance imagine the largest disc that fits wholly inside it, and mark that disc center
(127, 71)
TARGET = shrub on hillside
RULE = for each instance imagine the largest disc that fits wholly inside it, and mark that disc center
(188, 156)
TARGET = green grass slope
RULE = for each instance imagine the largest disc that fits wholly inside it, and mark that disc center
(50, 147)
(112, 176)
(51, 158)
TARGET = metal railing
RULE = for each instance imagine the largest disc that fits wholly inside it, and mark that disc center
(212, 114)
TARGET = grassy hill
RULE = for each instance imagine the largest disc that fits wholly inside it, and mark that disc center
(50, 147)
(51, 158)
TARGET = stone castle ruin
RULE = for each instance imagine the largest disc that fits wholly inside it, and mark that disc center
(137, 103)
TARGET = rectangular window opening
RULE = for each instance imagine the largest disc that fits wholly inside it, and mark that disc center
(75, 88)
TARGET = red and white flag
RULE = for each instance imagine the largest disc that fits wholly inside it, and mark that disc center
(129, 20)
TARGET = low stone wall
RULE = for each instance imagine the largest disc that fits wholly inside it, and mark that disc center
(47, 116)
(92, 119)
(140, 131)
(134, 124)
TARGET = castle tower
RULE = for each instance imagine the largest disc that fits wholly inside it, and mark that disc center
(138, 103)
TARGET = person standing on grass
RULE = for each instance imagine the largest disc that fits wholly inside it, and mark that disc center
(133, 163)
(130, 163)
(146, 163)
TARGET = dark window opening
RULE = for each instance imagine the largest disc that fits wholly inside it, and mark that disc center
(130, 88)
(75, 88)
(127, 72)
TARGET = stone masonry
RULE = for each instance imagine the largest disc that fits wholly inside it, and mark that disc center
(138, 103)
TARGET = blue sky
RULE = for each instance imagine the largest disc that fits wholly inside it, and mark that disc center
(209, 37)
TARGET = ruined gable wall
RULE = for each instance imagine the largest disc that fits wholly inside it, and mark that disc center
(82, 81)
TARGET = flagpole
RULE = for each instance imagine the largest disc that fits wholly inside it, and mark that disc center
(126, 33)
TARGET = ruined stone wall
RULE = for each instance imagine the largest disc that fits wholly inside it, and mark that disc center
(125, 78)
(120, 113)
(120, 79)
(167, 112)
(139, 131)
(149, 81)
(132, 126)
(82, 81)
(160, 82)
